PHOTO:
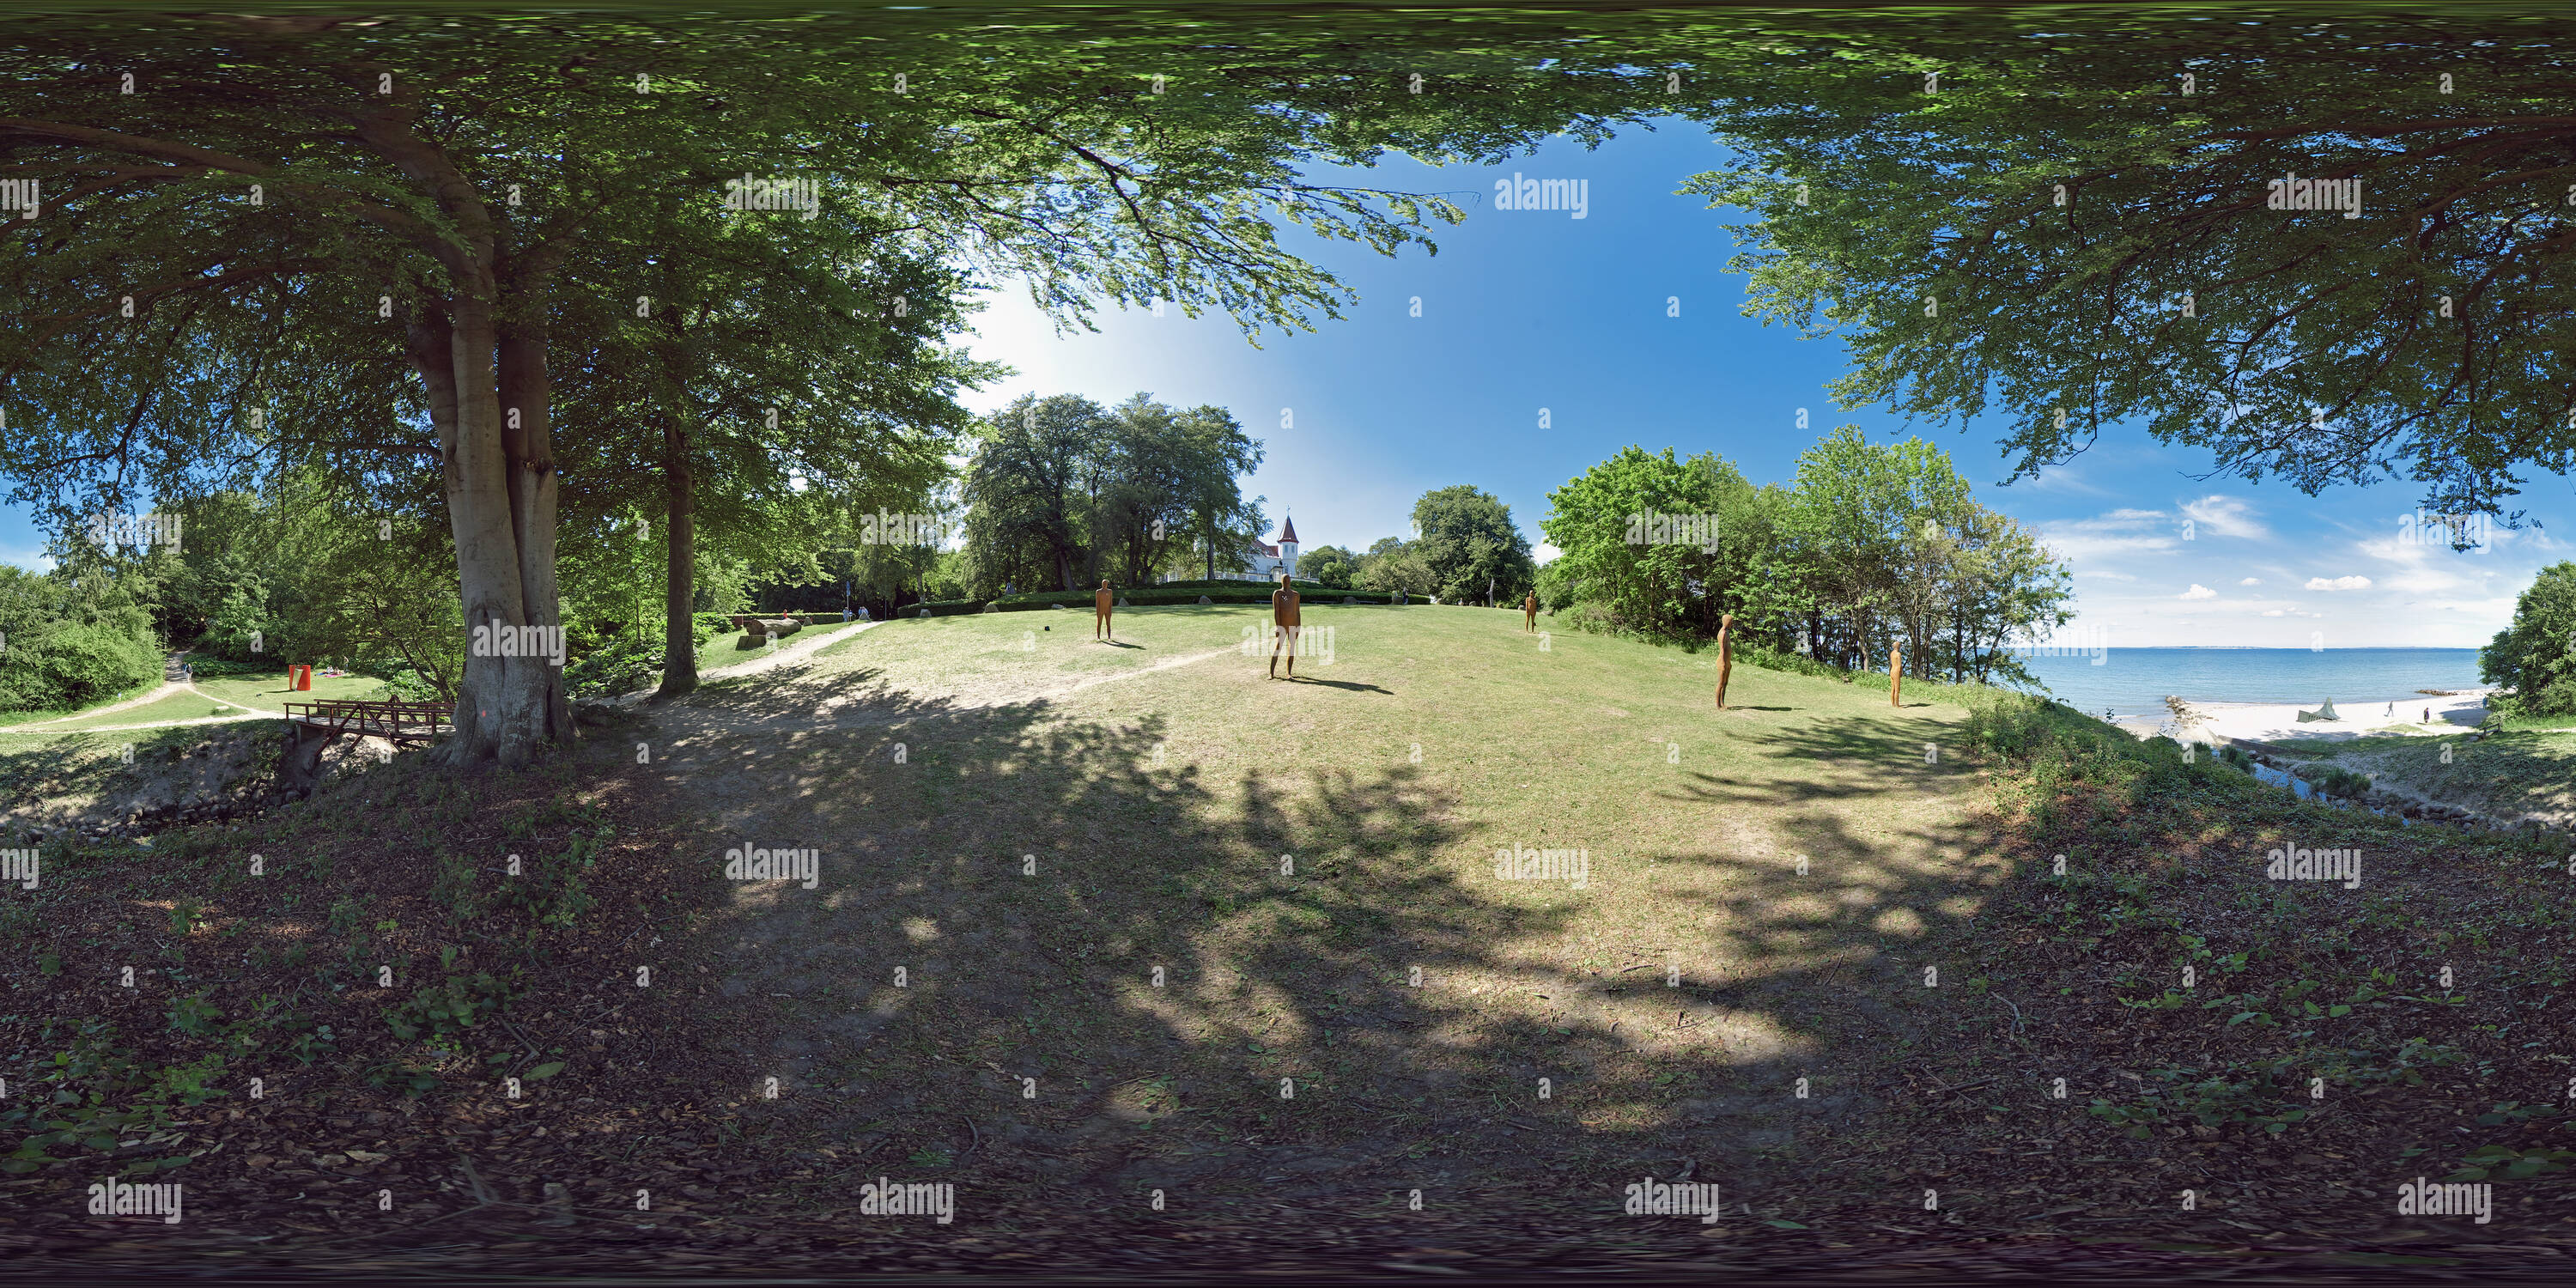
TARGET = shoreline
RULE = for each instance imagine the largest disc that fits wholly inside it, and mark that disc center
(2211, 723)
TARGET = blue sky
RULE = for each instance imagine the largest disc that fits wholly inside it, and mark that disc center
(1529, 309)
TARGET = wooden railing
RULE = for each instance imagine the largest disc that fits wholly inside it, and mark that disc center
(398, 721)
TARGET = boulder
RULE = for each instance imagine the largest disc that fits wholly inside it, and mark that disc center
(992, 608)
(1205, 600)
(923, 613)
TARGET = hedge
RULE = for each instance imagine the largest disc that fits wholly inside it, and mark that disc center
(1237, 592)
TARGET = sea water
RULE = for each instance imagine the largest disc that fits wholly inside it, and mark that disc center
(2134, 681)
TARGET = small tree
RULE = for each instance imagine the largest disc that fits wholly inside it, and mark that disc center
(2536, 655)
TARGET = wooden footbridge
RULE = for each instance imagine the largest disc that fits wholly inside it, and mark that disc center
(317, 723)
(398, 721)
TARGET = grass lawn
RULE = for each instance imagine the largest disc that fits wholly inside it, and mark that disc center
(1097, 920)
(1288, 854)
(177, 706)
(270, 692)
(10, 718)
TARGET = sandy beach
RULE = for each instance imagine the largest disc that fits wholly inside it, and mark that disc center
(2213, 722)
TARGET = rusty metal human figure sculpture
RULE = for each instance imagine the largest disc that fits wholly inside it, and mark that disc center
(1529, 612)
(1283, 626)
(1725, 656)
(1895, 673)
(1101, 602)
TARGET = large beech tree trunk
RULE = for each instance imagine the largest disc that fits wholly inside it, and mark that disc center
(527, 439)
(500, 477)
(503, 704)
(679, 637)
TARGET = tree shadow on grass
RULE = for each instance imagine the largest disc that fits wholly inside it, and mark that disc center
(1209, 985)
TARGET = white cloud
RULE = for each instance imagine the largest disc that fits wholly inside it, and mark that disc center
(2225, 516)
(2339, 583)
(2251, 581)
(2289, 612)
(2109, 536)
(1544, 554)
(2104, 575)
(2199, 591)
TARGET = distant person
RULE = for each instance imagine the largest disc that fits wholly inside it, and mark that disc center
(2428, 715)
(1283, 626)
(1101, 602)
(1529, 612)
(2392, 710)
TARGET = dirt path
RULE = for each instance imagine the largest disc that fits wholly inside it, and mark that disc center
(795, 652)
(166, 690)
(163, 690)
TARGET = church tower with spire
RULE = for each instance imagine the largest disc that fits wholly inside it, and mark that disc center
(1288, 547)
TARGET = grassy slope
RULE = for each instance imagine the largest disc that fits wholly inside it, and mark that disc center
(1021, 740)
(1692, 822)
(2506, 774)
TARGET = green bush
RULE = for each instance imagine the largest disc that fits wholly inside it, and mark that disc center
(73, 666)
(1772, 659)
(2335, 780)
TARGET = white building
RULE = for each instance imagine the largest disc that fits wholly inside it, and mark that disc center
(1267, 560)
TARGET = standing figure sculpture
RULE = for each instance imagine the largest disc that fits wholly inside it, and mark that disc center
(1283, 626)
(1725, 656)
(1101, 602)
(1529, 612)
(1895, 673)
